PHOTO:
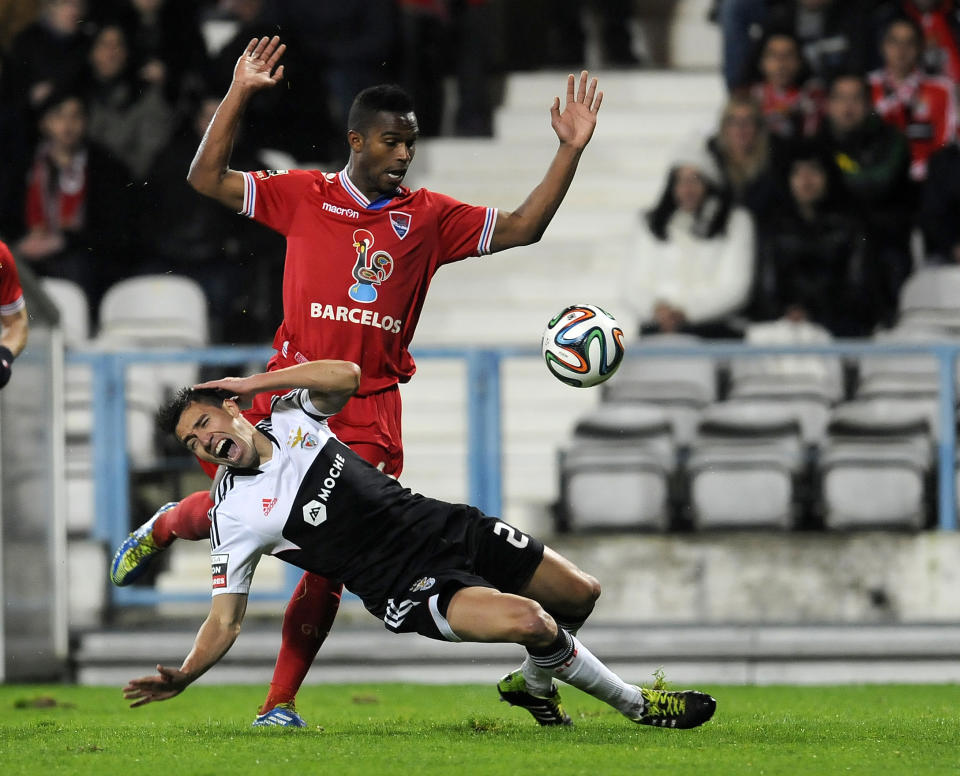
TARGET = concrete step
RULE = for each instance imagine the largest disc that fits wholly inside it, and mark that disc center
(625, 123)
(637, 88)
(736, 654)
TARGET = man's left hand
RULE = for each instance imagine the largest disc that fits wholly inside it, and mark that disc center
(579, 118)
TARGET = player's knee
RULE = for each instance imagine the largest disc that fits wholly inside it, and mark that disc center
(531, 625)
(583, 591)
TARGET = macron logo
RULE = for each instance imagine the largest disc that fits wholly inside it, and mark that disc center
(340, 211)
(268, 504)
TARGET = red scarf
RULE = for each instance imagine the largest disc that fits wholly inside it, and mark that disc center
(56, 197)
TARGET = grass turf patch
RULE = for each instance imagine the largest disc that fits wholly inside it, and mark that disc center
(418, 730)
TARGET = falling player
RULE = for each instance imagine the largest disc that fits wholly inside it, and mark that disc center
(361, 250)
(446, 571)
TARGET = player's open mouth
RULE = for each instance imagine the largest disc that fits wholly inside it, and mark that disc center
(396, 175)
(226, 449)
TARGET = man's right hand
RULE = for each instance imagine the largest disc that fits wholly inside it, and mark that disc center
(257, 67)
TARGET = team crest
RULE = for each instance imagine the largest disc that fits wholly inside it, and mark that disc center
(305, 441)
(400, 223)
(424, 583)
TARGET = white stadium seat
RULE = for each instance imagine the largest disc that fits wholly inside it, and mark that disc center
(743, 466)
(616, 472)
(874, 467)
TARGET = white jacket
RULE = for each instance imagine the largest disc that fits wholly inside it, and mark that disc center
(706, 278)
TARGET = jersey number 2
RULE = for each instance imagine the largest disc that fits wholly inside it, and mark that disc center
(512, 535)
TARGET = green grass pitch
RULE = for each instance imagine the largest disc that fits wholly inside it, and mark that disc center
(417, 730)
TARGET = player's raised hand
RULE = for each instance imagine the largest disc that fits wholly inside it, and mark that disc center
(575, 125)
(257, 66)
(167, 683)
(244, 388)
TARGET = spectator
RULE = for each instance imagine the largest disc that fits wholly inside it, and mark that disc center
(15, 141)
(874, 161)
(812, 253)
(127, 116)
(741, 22)
(832, 34)
(922, 107)
(191, 235)
(940, 22)
(791, 102)
(691, 267)
(437, 37)
(747, 155)
(939, 206)
(295, 120)
(78, 203)
(166, 46)
(48, 54)
(361, 53)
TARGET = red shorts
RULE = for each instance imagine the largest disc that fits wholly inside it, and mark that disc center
(369, 425)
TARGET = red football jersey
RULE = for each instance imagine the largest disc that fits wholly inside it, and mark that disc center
(357, 272)
(11, 295)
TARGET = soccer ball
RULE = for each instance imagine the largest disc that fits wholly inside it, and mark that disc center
(582, 345)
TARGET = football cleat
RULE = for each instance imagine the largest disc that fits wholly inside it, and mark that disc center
(665, 708)
(136, 553)
(281, 715)
(545, 710)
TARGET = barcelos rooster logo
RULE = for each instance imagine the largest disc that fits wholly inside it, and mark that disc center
(372, 268)
(424, 583)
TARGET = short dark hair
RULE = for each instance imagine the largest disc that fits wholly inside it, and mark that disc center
(169, 415)
(383, 98)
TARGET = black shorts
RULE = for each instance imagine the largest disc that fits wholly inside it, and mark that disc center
(477, 551)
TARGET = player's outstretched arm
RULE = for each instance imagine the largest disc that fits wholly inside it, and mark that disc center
(574, 127)
(210, 174)
(214, 638)
(330, 382)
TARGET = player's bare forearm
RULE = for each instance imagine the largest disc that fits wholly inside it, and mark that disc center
(330, 382)
(15, 328)
(213, 640)
(210, 172)
(574, 127)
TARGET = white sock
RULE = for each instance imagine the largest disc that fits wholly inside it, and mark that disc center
(539, 680)
(579, 667)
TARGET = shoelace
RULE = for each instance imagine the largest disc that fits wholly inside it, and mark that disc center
(664, 704)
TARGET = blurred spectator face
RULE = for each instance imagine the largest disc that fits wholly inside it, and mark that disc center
(689, 188)
(780, 62)
(848, 105)
(108, 55)
(927, 5)
(244, 10)
(147, 7)
(901, 48)
(65, 124)
(808, 182)
(64, 15)
(740, 128)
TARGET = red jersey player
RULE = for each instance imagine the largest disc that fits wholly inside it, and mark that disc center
(361, 250)
(13, 315)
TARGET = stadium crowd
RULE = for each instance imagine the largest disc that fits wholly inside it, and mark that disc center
(838, 143)
(836, 149)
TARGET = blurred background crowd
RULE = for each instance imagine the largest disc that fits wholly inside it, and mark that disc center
(833, 170)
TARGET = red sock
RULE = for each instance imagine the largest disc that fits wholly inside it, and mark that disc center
(306, 623)
(187, 520)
